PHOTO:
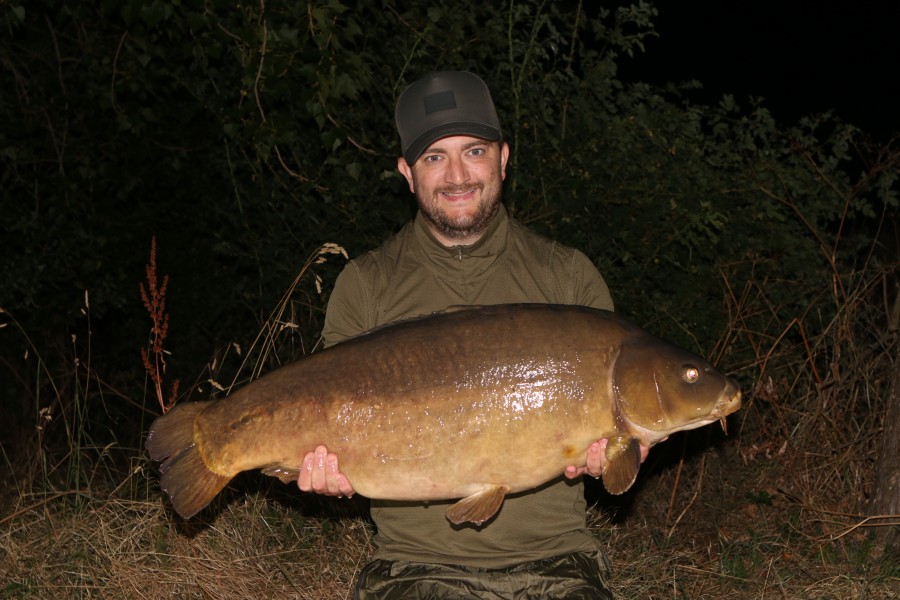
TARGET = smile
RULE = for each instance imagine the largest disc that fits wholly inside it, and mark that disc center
(458, 193)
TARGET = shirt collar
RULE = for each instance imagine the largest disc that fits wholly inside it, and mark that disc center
(471, 260)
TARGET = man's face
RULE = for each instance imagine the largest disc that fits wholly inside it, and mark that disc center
(458, 183)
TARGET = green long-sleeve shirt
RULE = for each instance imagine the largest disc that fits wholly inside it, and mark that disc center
(412, 274)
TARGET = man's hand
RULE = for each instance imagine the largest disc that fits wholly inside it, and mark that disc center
(596, 460)
(320, 474)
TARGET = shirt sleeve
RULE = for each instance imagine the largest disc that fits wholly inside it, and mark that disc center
(589, 288)
(349, 306)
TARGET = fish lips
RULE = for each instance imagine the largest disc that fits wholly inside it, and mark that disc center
(729, 401)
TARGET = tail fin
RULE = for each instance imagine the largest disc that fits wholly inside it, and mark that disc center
(185, 478)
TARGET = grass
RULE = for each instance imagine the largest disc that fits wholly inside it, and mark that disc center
(269, 542)
(736, 541)
(116, 548)
(775, 510)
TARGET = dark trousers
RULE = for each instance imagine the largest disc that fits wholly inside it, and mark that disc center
(577, 576)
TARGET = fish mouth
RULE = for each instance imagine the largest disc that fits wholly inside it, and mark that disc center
(729, 401)
(727, 404)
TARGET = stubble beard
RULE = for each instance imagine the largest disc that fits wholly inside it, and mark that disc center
(463, 227)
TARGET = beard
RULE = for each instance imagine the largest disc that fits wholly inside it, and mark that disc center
(464, 226)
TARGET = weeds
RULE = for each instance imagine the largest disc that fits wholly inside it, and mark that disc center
(154, 298)
(284, 317)
(776, 510)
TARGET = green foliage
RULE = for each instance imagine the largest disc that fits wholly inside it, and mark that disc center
(243, 136)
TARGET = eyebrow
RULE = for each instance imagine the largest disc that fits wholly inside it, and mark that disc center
(467, 146)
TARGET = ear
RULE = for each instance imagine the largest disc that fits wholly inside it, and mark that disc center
(504, 158)
(406, 171)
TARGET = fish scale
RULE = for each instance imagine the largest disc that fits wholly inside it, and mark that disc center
(472, 403)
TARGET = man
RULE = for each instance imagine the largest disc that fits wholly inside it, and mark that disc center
(462, 248)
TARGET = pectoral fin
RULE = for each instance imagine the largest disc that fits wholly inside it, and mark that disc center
(479, 507)
(285, 474)
(623, 456)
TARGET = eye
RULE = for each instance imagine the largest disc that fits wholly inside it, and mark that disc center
(690, 374)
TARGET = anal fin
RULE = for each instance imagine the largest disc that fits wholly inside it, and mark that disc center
(623, 461)
(285, 474)
(479, 507)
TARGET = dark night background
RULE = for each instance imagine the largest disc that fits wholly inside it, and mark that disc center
(145, 128)
(801, 56)
(241, 137)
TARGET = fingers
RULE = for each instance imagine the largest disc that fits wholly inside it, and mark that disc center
(596, 462)
(596, 458)
(572, 471)
(304, 482)
(320, 474)
(645, 450)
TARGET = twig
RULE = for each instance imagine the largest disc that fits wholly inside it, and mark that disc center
(350, 139)
(270, 329)
(289, 171)
(21, 512)
(812, 364)
(677, 480)
(865, 523)
(262, 60)
(825, 511)
(823, 248)
(692, 500)
(115, 73)
(569, 60)
(713, 573)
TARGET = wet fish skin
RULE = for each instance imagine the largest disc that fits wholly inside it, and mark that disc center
(473, 403)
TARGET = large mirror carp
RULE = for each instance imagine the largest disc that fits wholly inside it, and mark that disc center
(472, 403)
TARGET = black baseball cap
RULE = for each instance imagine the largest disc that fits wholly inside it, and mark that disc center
(444, 104)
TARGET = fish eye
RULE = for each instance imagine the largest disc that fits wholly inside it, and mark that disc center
(690, 374)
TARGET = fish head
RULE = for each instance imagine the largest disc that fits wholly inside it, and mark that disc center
(660, 388)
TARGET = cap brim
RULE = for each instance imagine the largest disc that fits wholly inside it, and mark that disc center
(421, 143)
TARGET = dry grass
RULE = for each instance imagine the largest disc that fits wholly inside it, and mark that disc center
(776, 510)
(731, 533)
(726, 532)
(252, 548)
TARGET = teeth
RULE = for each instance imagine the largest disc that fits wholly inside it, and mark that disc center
(724, 425)
(459, 190)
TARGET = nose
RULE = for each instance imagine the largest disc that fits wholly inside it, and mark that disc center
(456, 172)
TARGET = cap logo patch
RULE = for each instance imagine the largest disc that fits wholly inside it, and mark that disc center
(439, 101)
